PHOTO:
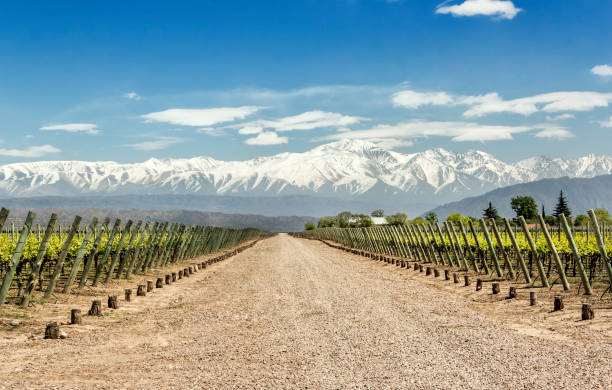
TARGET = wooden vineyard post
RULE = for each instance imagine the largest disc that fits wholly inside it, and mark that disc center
(534, 252)
(107, 250)
(480, 251)
(555, 254)
(75, 317)
(112, 302)
(468, 248)
(600, 244)
(129, 249)
(17, 253)
(444, 247)
(96, 308)
(453, 248)
(570, 239)
(517, 249)
(93, 253)
(134, 257)
(459, 249)
(128, 294)
(434, 245)
(62, 256)
(439, 246)
(491, 248)
(115, 258)
(80, 254)
(42, 249)
(502, 249)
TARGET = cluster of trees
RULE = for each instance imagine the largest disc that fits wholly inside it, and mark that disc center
(523, 206)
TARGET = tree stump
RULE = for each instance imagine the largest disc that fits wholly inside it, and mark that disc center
(96, 308)
(455, 277)
(75, 317)
(174, 276)
(159, 283)
(478, 284)
(168, 279)
(427, 271)
(112, 302)
(149, 285)
(436, 273)
(128, 294)
(180, 274)
(558, 303)
(495, 288)
(186, 272)
(512, 293)
(533, 298)
(190, 270)
(587, 312)
(466, 280)
(141, 292)
(420, 268)
(446, 274)
(416, 266)
(52, 331)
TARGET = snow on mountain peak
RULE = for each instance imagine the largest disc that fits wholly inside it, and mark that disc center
(354, 168)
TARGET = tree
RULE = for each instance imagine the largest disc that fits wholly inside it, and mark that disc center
(327, 222)
(344, 218)
(562, 207)
(360, 220)
(397, 219)
(454, 217)
(378, 213)
(490, 212)
(431, 217)
(309, 226)
(581, 220)
(603, 216)
(418, 221)
(524, 206)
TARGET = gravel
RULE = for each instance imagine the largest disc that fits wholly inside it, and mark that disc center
(292, 313)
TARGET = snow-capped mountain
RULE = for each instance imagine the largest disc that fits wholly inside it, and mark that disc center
(349, 169)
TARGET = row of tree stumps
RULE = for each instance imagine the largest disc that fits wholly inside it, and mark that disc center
(52, 330)
(587, 310)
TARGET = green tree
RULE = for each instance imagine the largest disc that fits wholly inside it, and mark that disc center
(309, 226)
(431, 217)
(378, 213)
(327, 222)
(524, 206)
(562, 207)
(418, 220)
(344, 218)
(490, 212)
(581, 220)
(454, 218)
(603, 216)
(397, 219)
(360, 220)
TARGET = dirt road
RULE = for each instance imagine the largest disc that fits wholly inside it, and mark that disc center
(291, 313)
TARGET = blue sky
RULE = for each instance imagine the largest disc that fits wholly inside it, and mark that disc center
(127, 81)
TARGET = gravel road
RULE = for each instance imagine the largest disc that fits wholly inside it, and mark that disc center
(292, 313)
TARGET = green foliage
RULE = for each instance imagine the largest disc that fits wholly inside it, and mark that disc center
(344, 218)
(309, 226)
(327, 222)
(360, 220)
(562, 207)
(490, 212)
(524, 206)
(431, 217)
(581, 220)
(397, 219)
(603, 216)
(378, 213)
(418, 220)
(454, 217)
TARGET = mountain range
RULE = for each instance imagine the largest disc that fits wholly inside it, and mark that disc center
(356, 172)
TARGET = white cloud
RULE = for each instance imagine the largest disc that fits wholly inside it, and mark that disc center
(561, 117)
(157, 144)
(132, 95)
(391, 143)
(548, 102)
(458, 131)
(88, 128)
(212, 131)
(550, 131)
(602, 70)
(496, 8)
(305, 121)
(30, 151)
(607, 123)
(249, 130)
(413, 99)
(267, 138)
(201, 117)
